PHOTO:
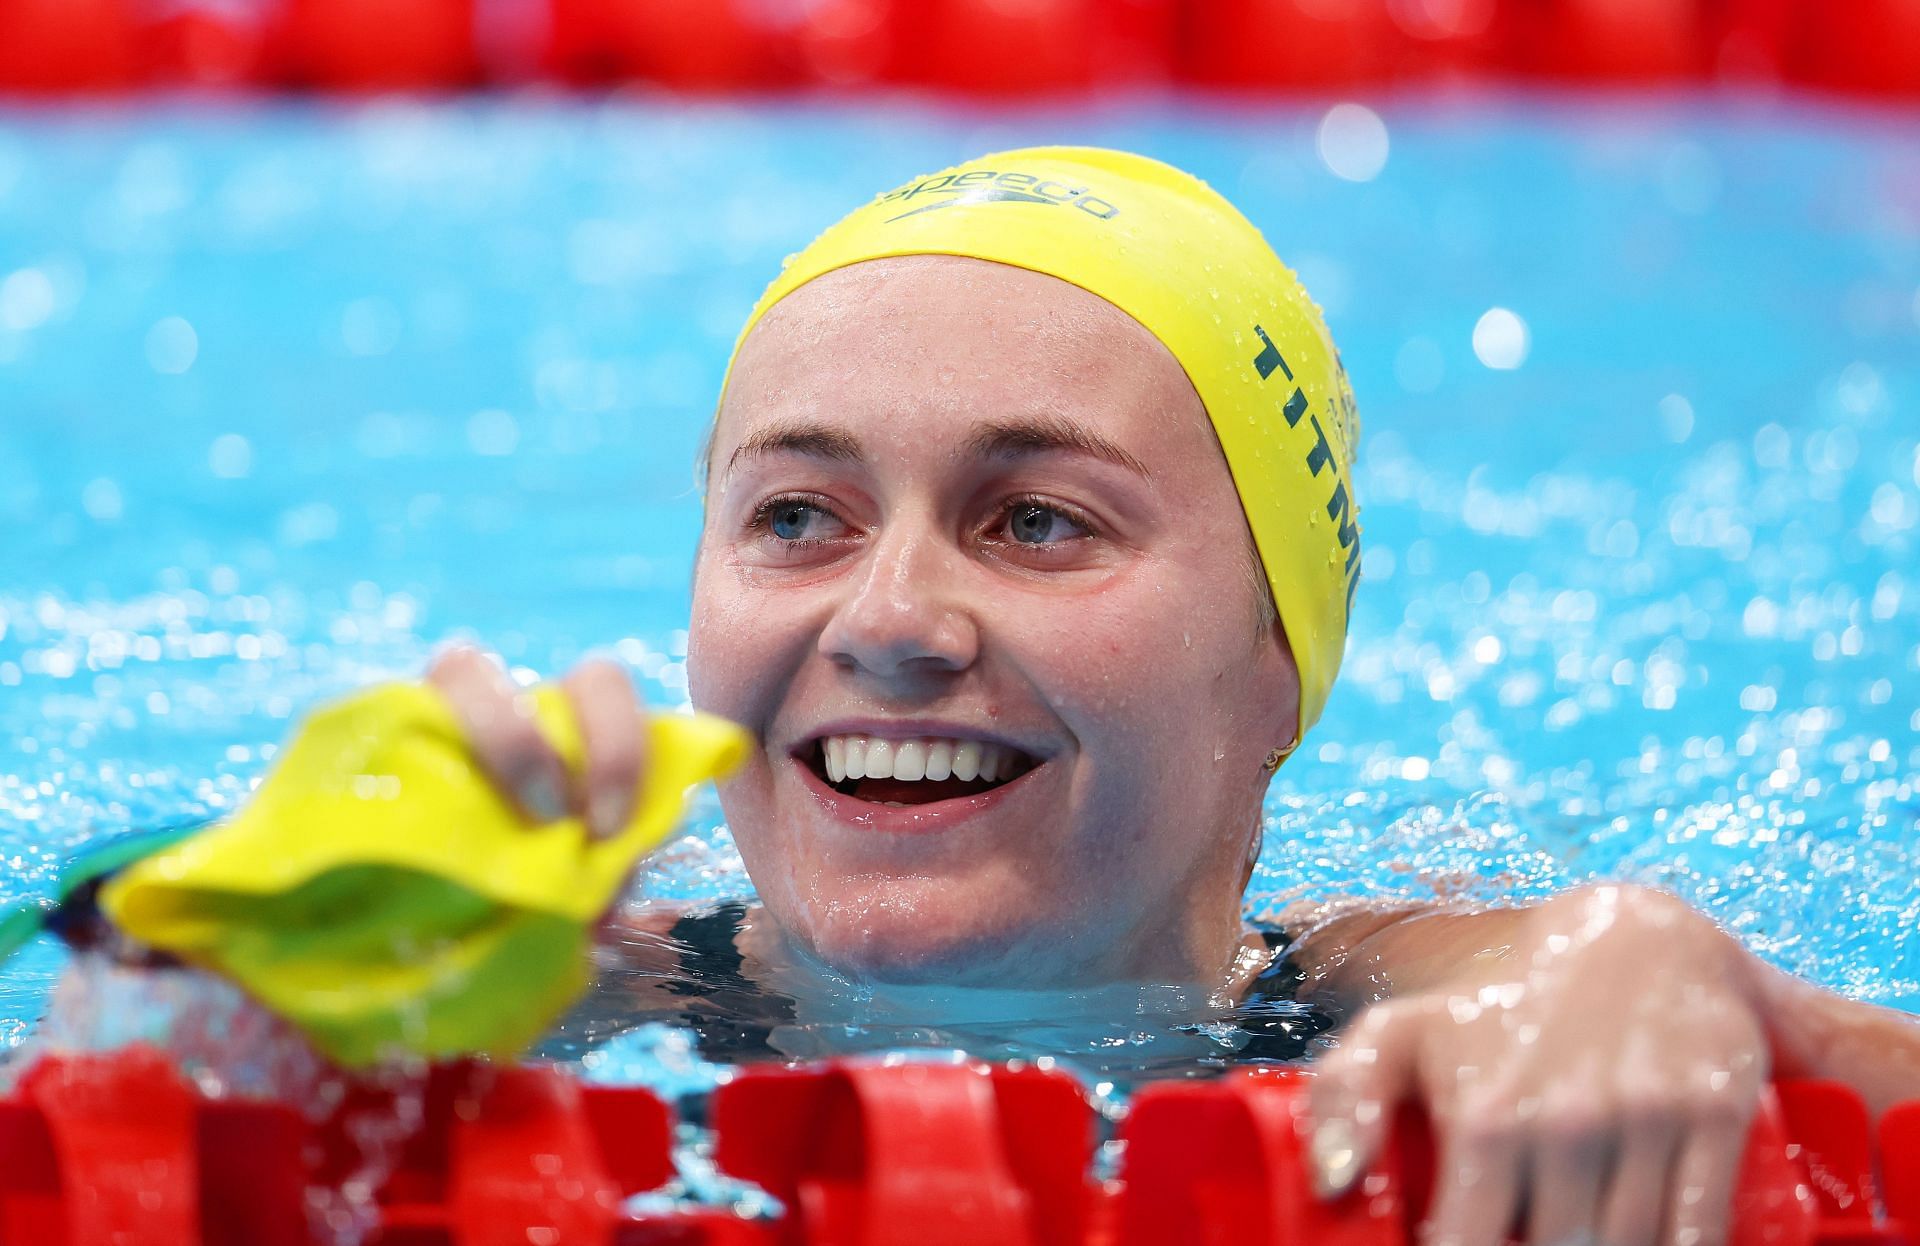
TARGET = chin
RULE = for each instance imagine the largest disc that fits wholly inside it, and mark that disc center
(918, 935)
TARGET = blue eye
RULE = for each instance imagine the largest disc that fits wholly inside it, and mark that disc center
(796, 521)
(789, 520)
(1030, 523)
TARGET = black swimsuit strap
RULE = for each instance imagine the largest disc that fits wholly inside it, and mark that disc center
(1280, 1027)
(740, 1020)
(733, 1017)
(709, 949)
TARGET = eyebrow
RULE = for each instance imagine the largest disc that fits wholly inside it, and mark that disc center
(1006, 439)
(1001, 439)
(815, 440)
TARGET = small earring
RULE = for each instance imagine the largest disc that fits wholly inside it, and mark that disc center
(1279, 755)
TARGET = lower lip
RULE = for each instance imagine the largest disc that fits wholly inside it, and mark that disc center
(928, 819)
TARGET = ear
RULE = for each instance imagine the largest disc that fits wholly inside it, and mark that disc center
(1254, 846)
(1281, 674)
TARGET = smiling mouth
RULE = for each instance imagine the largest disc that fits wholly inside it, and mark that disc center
(913, 772)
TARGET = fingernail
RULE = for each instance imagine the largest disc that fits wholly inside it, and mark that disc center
(543, 801)
(1333, 1157)
(606, 814)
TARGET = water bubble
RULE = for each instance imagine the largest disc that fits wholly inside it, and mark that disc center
(1501, 339)
(172, 345)
(1676, 417)
(1891, 509)
(1352, 142)
(230, 457)
(101, 500)
(304, 525)
(493, 432)
(1860, 389)
(1772, 447)
(26, 299)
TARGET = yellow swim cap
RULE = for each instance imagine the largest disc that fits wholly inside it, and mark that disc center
(378, 892)
(1169, 251)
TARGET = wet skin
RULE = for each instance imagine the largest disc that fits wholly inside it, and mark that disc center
(949, 498)
(1013, 524)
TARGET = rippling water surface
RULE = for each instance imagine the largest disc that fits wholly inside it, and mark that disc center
(289, 396)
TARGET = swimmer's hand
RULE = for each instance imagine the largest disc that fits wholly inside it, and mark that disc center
(1593, 1062)
(499, 721)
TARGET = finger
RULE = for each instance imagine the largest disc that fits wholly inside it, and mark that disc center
(1569, 1168)
(500, 730)
(1477, 1190)
(1703, 1184)
(1634, 1206)
(611, 723)
(1354, 1091)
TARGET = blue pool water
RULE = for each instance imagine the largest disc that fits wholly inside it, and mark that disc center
(291, 394)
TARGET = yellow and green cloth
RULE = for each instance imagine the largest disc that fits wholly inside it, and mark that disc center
(381, 894)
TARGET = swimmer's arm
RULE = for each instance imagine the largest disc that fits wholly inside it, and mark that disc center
(1360, 958)
(1817, 1033)
(1353, 953)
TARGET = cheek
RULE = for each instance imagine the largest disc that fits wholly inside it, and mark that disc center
(1154, 683)
(738, 648)
(1124, 662)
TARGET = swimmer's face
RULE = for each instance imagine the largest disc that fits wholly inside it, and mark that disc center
(964, 508)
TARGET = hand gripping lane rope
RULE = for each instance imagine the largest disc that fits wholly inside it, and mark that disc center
(116, 1149)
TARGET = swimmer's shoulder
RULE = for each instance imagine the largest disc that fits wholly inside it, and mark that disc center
(691, 965)
(731, 942)
(1315, 938)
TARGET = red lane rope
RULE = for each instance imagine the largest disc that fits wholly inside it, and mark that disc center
(117, 1150)
(981, 48)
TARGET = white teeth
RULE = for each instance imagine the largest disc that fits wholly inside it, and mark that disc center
(846, 757)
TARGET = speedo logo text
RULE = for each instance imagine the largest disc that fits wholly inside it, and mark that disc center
(988, 186)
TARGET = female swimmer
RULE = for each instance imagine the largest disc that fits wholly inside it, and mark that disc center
(990, 569)
(1028, 550)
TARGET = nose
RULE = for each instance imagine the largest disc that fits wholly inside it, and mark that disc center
(903, 614)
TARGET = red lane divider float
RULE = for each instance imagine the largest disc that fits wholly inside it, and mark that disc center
(375, 45)
(696, 45)
(1293, 44)
(1226, 1158)
(1610, 40)
(117, 1150)
(206, 44)
(1900, 1168)
(51, 46)
(913, 1154)
(1874, 47)
(992, 48)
